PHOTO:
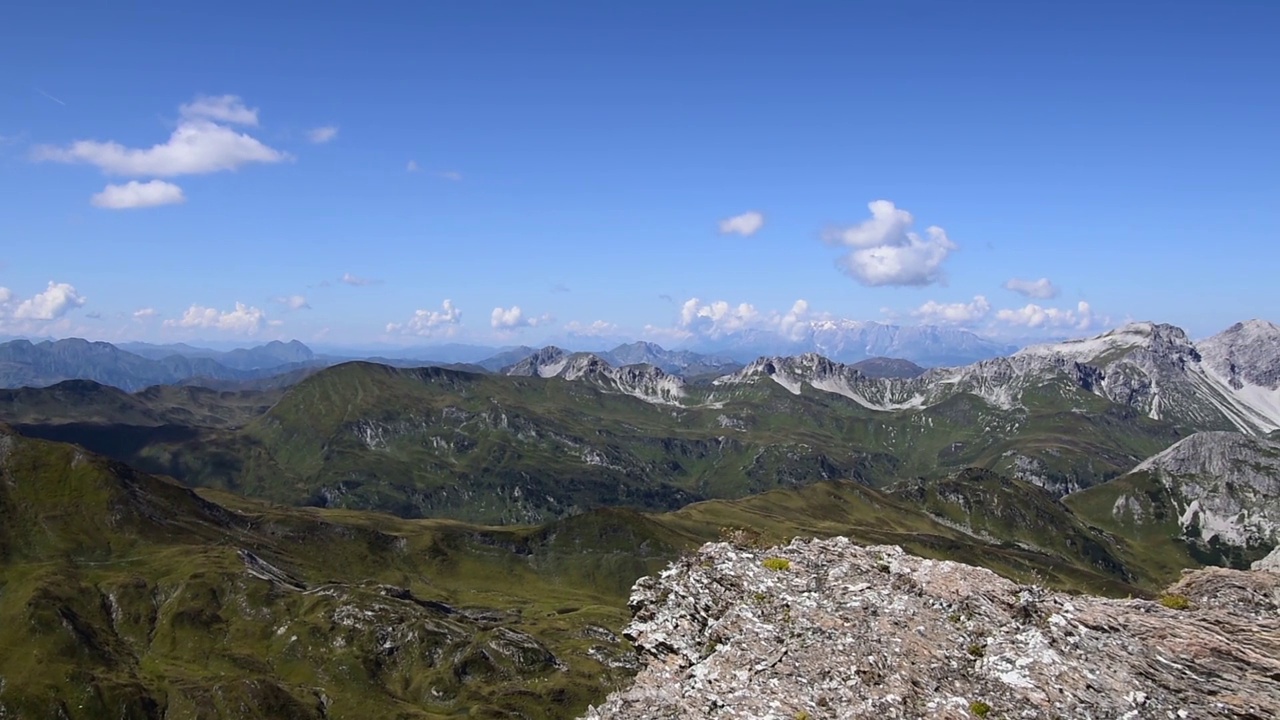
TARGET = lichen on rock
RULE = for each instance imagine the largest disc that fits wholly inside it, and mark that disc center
(860, 632)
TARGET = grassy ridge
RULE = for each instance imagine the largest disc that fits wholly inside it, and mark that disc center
(126, 595)
(432, 442)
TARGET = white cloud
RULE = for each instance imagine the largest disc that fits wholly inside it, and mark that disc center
(357, 281)
(720, 318)
(717, 318)
(885, 251)
(428, 322)
(412, 166)
(746, 224)
(1035, 316)
(5, 295)
(936, 313)
(134, 194)
(322, 135)
(294, 302)
(1042, 289)
(453, 175)
(242, 320)
(57, 300)
(145, 313)
(198, 145)
(666, 334)
(795, 324)
(222, 108)
(514, 317)
(595, 329)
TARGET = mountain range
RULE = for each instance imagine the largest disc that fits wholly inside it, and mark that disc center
(850, 341)
(560, 432)
(134, 366)
(367, 539)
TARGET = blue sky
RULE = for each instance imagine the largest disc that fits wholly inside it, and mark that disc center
(577, 161)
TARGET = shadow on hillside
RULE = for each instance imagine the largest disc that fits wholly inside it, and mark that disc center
(120, 442)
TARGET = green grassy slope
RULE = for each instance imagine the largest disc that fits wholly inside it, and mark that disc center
(126, 595)
(434, 442)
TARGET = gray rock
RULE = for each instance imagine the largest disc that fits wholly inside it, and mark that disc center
(1270, 563)
(1225, 487)
(844, 631)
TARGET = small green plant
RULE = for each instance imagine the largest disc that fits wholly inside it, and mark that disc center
(802, 715)
(977, 650)
(759, 598)
(777, 563)
(979, 708)
(1175, 602)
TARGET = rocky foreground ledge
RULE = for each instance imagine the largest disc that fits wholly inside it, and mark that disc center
(828, 629)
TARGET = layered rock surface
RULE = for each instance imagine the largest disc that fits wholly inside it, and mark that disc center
(829, 629)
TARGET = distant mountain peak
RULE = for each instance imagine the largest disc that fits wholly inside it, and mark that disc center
(851, 341)
(1247, 356)
(1157, 337)
(545, 362)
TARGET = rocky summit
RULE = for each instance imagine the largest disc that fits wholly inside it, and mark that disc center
(830, 629)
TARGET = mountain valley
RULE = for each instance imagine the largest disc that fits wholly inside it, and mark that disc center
(429, 541)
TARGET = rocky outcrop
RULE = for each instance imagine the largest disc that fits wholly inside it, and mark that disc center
(1224, 487)
(1247, 353)
(830, 629)
(548, 362)
(1270, 563)
(1153, 368)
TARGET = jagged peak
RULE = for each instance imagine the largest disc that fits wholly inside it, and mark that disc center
(545, 362)
(581, 363)
(792, 370)
(812, 361)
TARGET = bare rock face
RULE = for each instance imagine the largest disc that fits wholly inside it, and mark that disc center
(1223, 485)
(1269, 563)
(830, 629)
